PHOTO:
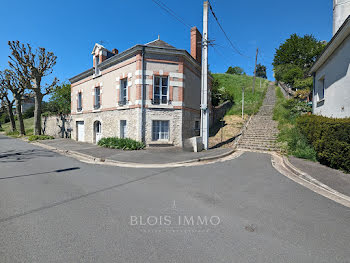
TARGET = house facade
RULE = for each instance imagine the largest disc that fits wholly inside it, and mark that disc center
(331, 71)
(149, 93)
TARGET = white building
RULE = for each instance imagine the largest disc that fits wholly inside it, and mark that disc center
(331, 71)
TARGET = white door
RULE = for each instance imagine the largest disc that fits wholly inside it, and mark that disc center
(80, 131)
(123, 129)
(98, 131)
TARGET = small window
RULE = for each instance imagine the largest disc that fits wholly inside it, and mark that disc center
(97, 103)
(197, 128)
(322, 89)
(123, 91)
(123, 129)
(160, 90)
(160, 130)
(97, 61)
(79, 105)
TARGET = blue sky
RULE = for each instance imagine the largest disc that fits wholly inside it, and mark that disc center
(71, 28)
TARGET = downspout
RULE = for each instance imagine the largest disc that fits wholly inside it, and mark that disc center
(142, 91)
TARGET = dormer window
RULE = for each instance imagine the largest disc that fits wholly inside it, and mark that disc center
(97, 61)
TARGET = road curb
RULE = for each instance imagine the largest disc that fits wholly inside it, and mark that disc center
(102, 161)
(282, 164)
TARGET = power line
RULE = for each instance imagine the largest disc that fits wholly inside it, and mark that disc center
(171, 12)
(228, 39)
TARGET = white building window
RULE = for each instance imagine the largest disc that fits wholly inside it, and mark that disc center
(97, 61)
(160, 90)
(97, 102)
(123, 91)
(123, 129)
(79, 104)
(321, 90)
(160, 130)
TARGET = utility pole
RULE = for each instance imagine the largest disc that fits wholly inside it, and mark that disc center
(256, 60)
(204, 84)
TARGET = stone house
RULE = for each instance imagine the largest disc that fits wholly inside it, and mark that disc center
(149, 93)
(331, 71)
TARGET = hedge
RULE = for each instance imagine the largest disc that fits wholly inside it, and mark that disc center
(40, 137)
(329, 137)
(121, 143)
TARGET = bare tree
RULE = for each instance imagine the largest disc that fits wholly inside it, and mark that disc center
(6, 101)
(33, 66)
(17, 85)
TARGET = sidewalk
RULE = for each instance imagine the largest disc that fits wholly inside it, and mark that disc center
(335, 179)
(153, 155)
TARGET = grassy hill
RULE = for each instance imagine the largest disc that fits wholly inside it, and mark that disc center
(233, 84)
(28, 124)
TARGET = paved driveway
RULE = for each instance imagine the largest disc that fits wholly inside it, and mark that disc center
(57, 209)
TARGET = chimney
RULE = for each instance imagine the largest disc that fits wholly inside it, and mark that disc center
(196, 44)
(341, 10)
(115, 51)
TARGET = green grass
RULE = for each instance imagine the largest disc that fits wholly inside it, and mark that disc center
(28, 125)
(292, 141)
(233, 84)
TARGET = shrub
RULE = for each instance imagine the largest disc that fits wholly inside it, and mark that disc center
(121, 143)
(40, 137)
(330, 138)
(12, 133)
(296, 144)
(291, 139)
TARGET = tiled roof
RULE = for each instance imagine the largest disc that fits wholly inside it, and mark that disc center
(159, 43)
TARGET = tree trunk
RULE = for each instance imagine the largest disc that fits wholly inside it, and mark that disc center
(12, 117)
(20, 116)
(37, 113)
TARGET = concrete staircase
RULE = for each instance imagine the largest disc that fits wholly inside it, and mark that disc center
(261, 132)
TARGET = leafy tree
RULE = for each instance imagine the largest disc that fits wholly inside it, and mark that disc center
(261, 71)
(304, 84)
(292, 74)
(60, 100)
(34, 66)
(288, 73)
(299, 51)
(235, 71)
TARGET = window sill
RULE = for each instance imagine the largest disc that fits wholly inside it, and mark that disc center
(160, 106)
(320, 103)
(161, 142)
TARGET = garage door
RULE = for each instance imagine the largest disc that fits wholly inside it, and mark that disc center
(80, 131)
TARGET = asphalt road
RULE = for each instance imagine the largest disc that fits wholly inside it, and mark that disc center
(57, 209)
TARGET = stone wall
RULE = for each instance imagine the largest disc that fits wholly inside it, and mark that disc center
(220, 111)
(110, 124)
(59, 126)
(175, 125)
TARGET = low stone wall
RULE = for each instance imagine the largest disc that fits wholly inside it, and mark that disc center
(220, 111)
(59, 126)
(286, 90)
